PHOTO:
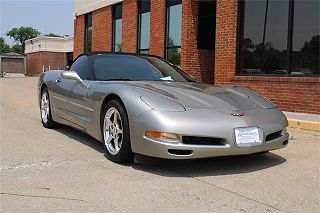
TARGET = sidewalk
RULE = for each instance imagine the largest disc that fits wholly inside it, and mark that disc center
(303, 121)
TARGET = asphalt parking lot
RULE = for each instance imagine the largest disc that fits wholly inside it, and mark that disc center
(66, 170)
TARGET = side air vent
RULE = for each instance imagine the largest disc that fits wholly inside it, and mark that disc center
(180, 152)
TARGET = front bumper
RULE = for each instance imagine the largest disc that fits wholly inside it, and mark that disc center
(205, 123)
(173, 151)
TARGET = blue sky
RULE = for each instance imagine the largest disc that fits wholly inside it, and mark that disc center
(47, 16)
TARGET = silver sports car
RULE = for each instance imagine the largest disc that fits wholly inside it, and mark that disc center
(143, 104)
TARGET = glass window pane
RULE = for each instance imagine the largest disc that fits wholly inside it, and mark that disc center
(174, 25)
(274, 58)
(80, 66)
(145, 31)
(117, 11)
(144, 6)
(89, 39)
(264, 37)
(144, 68)
(118, 35)
(88, 32)
(144, 51)
(206, 25)
(173, 55)
(117, 28)
(306, 38)
(89, 20)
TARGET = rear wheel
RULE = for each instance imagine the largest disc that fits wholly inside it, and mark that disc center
(116, 133)
(45, 110)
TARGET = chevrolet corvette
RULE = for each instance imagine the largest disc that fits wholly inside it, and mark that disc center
(136, 103)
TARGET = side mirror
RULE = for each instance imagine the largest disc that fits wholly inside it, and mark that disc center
(67, 67)
(72, 75)
(193, 78)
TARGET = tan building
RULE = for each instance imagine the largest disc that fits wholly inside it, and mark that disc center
(44, 53)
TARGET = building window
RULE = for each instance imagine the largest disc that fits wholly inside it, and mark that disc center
(117, 28)
(144, 26)
(279, 37)
(206, 25)
(88, 33)
(306, 38)
(173, 31)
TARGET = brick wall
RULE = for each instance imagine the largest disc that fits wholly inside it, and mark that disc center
(197, 62)
(78, 47)
(102, 29)
(226, 40)
(295, 94)
(158, 27)
(129, 26)
(219, 66)
(36, 61)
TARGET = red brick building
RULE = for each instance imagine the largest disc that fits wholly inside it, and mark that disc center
(45, 53)
(269, 46)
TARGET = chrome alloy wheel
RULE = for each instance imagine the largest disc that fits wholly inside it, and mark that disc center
(112, 131)
(45, 108)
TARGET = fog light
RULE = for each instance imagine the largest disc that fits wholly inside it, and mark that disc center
(163, 136)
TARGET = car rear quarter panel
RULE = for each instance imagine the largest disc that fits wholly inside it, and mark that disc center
(48, 78)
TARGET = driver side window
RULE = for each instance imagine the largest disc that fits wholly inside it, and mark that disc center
(81, 66)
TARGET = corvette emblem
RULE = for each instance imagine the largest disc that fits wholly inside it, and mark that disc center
(238, 114)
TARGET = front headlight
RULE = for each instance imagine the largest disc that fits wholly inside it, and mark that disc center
(159, 103)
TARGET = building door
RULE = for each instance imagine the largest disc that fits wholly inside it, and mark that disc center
(69, 59)
(12, 65)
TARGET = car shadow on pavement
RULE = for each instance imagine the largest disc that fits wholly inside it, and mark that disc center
(209, 166)
(187, 168)
(81, 137)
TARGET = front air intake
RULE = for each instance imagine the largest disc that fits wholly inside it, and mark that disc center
(203, 141)
(273, 136)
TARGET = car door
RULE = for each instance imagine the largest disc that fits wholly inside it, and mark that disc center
(70, 95)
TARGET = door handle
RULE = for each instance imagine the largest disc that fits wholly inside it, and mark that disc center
(58, 80)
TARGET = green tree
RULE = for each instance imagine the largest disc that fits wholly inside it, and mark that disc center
(17, 48)
(53, 35)
(310, 54)
(20, 35)
(312, 47)
(4, 47)
(173, 55)
(118, 47)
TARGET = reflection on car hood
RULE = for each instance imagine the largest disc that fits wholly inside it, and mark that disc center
(202, 96)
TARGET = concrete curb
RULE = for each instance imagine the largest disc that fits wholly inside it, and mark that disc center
(303, 124)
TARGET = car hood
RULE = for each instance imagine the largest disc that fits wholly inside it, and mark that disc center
(164, 95)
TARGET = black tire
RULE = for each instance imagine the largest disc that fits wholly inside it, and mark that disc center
(125, 154)
(49, 122)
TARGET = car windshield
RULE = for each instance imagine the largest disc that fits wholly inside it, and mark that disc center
(108, 67)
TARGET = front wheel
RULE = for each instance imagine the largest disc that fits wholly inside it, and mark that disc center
(45, 110)
(116, 133)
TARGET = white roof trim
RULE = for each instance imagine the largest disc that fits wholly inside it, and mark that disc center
(49, 44)
(48, 38)
(89, 6)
